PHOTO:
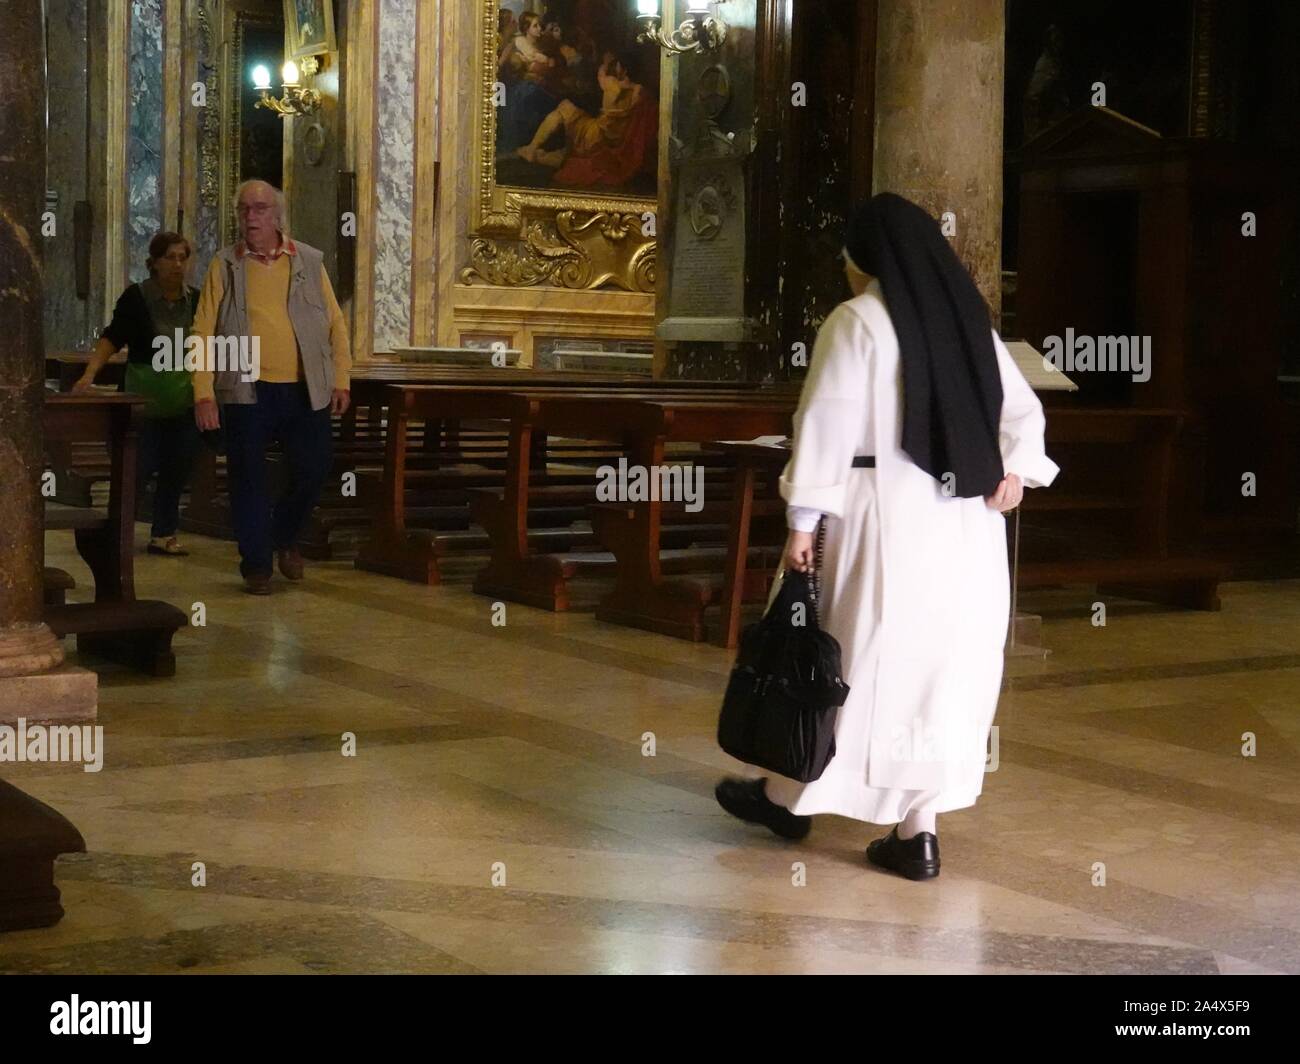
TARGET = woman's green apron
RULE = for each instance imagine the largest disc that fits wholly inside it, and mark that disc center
(169, 392)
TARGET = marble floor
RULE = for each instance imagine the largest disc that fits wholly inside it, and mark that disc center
(500, 814)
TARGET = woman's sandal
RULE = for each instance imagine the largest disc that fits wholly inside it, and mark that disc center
(170, 546)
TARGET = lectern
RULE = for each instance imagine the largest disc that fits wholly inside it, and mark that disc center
(1023, 630)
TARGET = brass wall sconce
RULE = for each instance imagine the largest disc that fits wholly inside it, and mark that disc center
(700, 31)
(296, 99)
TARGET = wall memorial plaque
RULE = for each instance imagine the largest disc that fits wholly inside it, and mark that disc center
(707, 283)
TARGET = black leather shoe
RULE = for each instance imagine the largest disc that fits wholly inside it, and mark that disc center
(915, 858)
(748, 800)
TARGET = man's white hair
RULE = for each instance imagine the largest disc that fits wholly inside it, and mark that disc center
(279, 199)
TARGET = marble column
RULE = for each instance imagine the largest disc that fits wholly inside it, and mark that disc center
(26, 645)
(939, 84)
(32, 835)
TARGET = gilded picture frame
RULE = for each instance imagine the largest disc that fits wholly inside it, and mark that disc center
(308, 28)
(573, 239)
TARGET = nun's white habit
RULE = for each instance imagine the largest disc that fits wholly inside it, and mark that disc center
(915, 582)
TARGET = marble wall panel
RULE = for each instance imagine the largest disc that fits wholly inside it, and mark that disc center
(394, 172)
(144, 133)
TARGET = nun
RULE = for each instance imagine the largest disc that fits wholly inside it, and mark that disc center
(915, 433)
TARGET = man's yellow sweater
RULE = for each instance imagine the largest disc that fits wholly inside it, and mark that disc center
(268, 319)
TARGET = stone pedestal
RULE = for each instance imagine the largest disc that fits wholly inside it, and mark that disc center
(65, 695)
(26, 646)
(939, 98)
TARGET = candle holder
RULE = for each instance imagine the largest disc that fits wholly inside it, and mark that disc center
(296, 100)
(699, 30)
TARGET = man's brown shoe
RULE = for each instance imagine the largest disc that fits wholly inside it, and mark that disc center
(290, 563)
(258, 583)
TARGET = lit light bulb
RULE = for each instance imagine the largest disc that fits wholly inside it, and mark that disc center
(289, 73)
(261, 77)
(697, 7)
(647, 7)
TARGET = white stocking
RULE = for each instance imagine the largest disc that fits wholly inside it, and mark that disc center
(915, 822)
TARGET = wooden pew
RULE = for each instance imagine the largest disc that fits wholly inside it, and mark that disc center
(752, 462)
(392, 549)
(79, 468)
(1141, 567)
(359, 448)
(641, 596)
(645, 425)
(516, 569)
(1116, 467)
(57, 585)
(517, 572)
(66, 367)
(116, 625)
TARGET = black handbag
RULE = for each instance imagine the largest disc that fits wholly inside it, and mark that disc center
(785, 688)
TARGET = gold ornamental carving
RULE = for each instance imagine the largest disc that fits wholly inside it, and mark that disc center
(601, 249)
(210, 124)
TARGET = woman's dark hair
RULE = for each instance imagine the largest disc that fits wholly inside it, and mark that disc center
(504, 17)
(162, 243)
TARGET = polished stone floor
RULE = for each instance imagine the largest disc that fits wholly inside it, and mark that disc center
(500, 814)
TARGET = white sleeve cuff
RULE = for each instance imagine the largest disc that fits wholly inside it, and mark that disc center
(827, 500)
(1031, 465)
(802, 518)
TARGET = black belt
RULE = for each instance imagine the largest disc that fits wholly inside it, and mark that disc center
(864, 461)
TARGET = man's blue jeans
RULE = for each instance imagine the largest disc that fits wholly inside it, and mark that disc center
(282, 412)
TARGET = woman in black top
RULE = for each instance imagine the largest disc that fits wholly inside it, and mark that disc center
(154, 310)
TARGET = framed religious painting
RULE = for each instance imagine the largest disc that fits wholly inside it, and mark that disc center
(567, 152)
(308, 28)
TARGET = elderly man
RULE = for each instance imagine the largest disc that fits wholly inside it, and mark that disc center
(274, 291)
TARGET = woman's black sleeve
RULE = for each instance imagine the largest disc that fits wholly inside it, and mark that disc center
(126, 319)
